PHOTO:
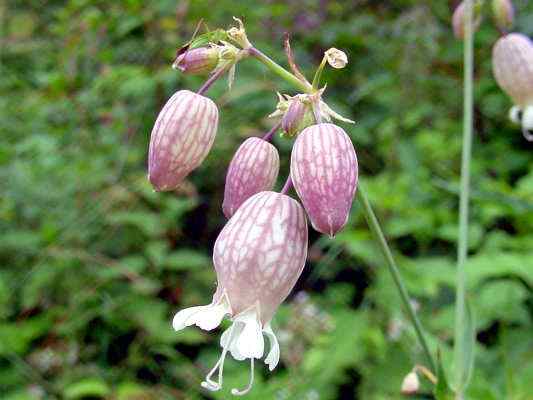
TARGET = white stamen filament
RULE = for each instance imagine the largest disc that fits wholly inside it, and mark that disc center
(209, 384)
(242, 392)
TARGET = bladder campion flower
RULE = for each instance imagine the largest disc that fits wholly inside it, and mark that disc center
(258, 258)
(324, 173)
(253, 169)
(181, 138)
(512, 63)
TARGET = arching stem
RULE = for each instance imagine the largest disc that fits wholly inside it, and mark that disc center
(279, 70)
(212, 79)
(373, 223)
(271, 132)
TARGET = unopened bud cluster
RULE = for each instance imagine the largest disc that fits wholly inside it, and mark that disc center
(261, 251)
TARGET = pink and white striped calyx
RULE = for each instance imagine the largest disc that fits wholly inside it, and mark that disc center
(201, 60)
(253, 169)
(258, 258)
(324, 173)
(512, 63)
(181, 138)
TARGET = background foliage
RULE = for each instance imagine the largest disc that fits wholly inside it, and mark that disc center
(94, 263)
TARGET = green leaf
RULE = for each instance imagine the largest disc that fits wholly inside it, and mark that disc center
(442, 389)
(93, 387)
(464, 350)
(185, 259)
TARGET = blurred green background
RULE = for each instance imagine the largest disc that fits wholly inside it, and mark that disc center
(94, 264)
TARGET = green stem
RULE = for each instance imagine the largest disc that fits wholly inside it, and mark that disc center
(462, 247)
(280, 71)
(369, 215)
(393, 269)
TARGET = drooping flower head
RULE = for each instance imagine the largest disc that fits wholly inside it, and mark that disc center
(258, 258)
(181, 138)
(512, 64)
(324, 173)
(253, 169)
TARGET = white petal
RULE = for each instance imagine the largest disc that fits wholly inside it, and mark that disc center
(527, 118)
(249, 343)
(205, 317)
(527, 123)
(514, 114)
(272, 358)
(234, 351)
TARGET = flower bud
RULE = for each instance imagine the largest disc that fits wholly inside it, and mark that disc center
(324, 174)
(261, 252)
(512, 64)
(336, 58)
(253, 169)
(181, 138)
(197, 61)
(299, 115)
(410, 384)
(458, 19)
(503, 12)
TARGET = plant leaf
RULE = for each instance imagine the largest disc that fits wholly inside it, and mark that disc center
(442, 389)
(464, 361)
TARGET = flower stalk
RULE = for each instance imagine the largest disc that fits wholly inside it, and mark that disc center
(212, 79)
(280, 71)
(373, 223)
(462, 248)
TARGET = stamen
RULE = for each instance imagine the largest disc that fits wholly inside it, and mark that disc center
(209, 384)
(242, 392)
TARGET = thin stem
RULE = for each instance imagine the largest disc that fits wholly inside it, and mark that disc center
(393, 269)
(318, 73)
(462, 247)
(271, 132)
(212, 79)
(287, 186)
(280, 71)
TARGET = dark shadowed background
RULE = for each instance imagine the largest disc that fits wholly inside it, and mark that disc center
(94, 264)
